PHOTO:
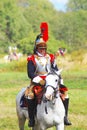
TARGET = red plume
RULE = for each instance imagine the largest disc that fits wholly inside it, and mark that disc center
(44, 31)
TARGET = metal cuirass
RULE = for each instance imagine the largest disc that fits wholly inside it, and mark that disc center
(43, 64)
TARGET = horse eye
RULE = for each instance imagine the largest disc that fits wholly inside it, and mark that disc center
(56, 80)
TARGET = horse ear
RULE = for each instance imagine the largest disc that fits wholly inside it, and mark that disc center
(59, 71)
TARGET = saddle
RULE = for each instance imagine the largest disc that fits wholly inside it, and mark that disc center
(38, 94)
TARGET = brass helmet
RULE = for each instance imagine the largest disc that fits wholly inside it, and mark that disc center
(39, 43)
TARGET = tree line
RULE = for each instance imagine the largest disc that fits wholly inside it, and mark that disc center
(20, 23)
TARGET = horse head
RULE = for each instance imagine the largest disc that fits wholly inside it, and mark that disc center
(52, 84)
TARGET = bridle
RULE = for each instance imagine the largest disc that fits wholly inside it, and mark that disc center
(55, 93)
(55, 89)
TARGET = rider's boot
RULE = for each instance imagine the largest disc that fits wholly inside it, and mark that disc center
(31, 112)
(66, 104)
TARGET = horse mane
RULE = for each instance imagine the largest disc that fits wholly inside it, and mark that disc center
(53, 72)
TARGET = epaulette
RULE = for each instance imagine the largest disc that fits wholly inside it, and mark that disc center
(31, 58)
(52, 57)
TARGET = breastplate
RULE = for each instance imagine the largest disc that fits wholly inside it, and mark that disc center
(42, 64)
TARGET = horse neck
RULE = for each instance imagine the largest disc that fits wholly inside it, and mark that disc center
(56, 103)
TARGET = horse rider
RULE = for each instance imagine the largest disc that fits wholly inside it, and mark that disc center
(38, 65)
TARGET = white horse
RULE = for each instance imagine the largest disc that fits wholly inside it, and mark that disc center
(50, 112)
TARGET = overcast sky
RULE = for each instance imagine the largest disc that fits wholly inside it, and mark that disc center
(59, 4)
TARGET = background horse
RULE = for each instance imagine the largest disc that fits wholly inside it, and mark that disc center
(13, 57)
(50, 112)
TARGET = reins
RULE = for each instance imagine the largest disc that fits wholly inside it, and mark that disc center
(54, 96)
(45, 100)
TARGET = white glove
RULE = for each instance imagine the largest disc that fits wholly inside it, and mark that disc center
(37, 79)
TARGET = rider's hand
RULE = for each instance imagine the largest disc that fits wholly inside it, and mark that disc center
(38, 80)
(42, 82)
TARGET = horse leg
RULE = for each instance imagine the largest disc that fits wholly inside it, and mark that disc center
(36, 127)
(60, 126)
(21, 123)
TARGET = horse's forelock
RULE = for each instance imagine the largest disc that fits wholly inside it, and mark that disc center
(51, 84)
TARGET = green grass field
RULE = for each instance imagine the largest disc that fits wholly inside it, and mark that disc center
(12, 82)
